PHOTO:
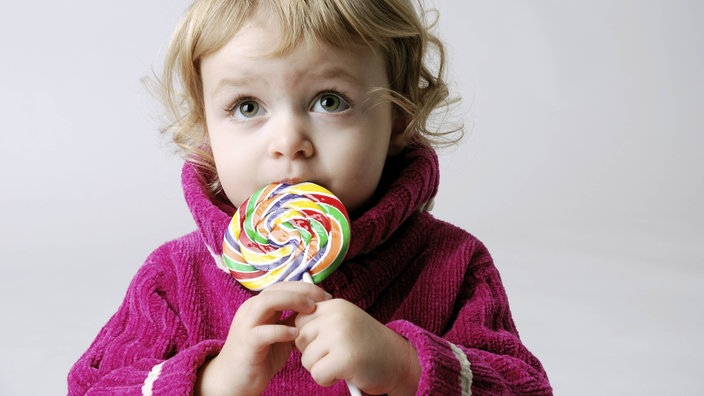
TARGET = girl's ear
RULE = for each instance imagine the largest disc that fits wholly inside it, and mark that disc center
(398, 135)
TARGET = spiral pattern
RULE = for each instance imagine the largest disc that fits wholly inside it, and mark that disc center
(283, 231)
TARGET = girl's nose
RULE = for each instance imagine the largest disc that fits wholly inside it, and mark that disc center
(291, 140)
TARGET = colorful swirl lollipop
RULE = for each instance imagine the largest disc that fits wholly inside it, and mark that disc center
(286, 232)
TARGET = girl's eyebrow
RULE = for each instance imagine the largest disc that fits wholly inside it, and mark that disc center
(338, 72)
(323, 74)
(240, 81)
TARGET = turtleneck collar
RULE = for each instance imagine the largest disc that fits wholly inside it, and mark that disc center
(409, 182)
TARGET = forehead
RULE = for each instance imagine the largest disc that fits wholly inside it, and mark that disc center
(248, 55)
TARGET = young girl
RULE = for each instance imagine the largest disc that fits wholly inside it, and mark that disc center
(338, 93)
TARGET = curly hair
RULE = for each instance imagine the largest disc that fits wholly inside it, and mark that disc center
(415, 60)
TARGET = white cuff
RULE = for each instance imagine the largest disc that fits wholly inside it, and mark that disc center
(466, 373)
(151, 377)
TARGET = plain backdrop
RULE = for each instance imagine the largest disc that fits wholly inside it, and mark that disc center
(581, 170)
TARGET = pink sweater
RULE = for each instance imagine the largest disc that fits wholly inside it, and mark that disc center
(429, 281)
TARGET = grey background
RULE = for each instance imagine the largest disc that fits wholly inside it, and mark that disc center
(581, 171)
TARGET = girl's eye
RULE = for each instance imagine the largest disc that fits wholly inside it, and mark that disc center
(246, 109)
(330, 103)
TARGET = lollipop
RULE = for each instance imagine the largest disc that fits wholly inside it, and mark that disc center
(286, 232)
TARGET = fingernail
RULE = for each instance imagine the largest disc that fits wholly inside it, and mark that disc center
(328, 296)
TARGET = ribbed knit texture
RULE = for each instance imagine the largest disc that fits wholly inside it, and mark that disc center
(429, 281)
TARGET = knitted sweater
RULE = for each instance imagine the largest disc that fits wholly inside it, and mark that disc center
(427, 280)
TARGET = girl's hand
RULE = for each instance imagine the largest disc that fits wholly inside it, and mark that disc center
(259, 342)
(339, 341)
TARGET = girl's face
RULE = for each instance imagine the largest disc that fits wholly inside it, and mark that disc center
(307, 115)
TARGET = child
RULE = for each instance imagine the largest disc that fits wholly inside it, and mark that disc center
(334, 92)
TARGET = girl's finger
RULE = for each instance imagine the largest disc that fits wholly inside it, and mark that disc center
(266, 335)
(265, 307)
(306, 335)
(324, 371)
(304, 318)
(313, 291)
(312, 352)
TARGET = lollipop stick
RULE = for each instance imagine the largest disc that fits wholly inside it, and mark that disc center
(307, 278)
(354, 391)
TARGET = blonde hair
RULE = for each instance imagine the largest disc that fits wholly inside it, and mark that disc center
(397, 27)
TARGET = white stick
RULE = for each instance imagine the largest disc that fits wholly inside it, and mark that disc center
(354, 391)
(307, 278)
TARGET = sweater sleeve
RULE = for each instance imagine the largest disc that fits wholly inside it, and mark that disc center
(144, 347)
(481, 352)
